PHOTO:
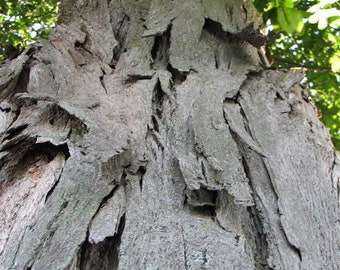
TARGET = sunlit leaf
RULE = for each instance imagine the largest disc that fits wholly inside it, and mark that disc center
(335, 22)
(323, 3)
(326, 13)
(288, 3)
(335, 62)
(273, 4)
(322, 23)
(290, 19)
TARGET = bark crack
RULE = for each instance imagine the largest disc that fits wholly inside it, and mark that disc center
(336, 173)
(28, 151)
(261, 251)
(216, 29)
(102, 82)
(220, 225)
(5, 109)
(248, 33)
(157, 101)
(185, 251)
(295, 249)
(141, 172)
(256, 233)
(105, 199)
(178, 76)
(51, 228)
(241, 136)
(259, 238)
(105, 254)
(18, 248)
(160, 49)
(49, 193)
(13, 132)
(133, 78)
(119, 35)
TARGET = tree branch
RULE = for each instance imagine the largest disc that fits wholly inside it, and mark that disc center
(292, 63)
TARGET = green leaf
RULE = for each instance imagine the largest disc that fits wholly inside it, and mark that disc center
(322, 16)
(335, 62)
(273, 4)
(18, 16)
(335, 22)
(288, 3)
(290, 19)
(324, 3)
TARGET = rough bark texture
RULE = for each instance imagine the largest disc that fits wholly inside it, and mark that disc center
(148, 135)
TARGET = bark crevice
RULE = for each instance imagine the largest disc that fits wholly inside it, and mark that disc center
(103, 255)
(178, 76)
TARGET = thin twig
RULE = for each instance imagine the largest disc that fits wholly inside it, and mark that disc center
(292, 63)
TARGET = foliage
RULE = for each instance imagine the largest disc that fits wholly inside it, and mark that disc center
(305, 33)
(23, 21)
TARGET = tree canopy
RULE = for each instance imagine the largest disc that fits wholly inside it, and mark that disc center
(302, 34)
(23, 22)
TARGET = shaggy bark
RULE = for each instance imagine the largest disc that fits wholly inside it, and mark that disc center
(149, 135)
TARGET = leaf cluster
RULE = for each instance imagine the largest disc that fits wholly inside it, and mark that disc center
(306, 34)
(23, 21)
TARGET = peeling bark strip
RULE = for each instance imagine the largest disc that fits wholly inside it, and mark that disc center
(146, 135)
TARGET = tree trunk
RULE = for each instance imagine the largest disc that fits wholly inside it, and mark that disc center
(150, 135)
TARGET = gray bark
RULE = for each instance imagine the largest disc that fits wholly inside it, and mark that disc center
(150, 135)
